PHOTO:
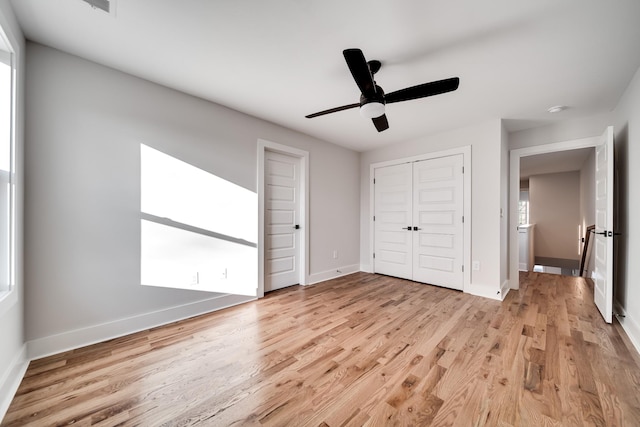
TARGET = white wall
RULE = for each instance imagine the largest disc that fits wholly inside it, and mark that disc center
(554, 207)
(588, 206)
(12, 348)
(627, 245)
(485, 142)
(84, 126)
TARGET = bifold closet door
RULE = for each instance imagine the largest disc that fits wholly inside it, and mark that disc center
(418, 221)
(392, 242)
(438, 215)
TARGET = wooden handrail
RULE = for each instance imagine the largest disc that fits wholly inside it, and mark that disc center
(585, 247)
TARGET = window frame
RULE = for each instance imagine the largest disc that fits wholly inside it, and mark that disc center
(523, 204)
(8, 45)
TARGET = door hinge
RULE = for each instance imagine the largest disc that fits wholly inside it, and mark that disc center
(374, 217)
(374, 255)
(463, 169)
(374, 180)
(463, 268)
(463, 219)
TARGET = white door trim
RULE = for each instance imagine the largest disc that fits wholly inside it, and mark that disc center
(264, 145)
(466, 152)
(514, 192)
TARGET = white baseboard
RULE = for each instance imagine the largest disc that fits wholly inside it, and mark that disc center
(504, 290)
(11, 380)
(332, 274)
(77, 338)
(485, 291)
(366, 268)
(629, 324)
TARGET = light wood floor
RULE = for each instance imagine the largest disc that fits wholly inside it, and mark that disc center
(360, 350)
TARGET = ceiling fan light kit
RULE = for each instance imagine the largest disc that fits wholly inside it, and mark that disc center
(371, 110)
(372, 97)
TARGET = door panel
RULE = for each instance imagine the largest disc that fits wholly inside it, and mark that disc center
(392, 244)
(282, 210)
(437, 210)
(603, 273)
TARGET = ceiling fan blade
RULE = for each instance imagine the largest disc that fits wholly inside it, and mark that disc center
(381, 123)
(423, 90)
(360, 70)
(332, 110)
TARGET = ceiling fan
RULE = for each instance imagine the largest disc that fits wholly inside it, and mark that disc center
(373, 98)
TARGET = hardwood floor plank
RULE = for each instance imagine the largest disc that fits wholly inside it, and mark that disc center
(363, 349)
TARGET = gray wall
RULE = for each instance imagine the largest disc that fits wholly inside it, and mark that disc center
(565, 130)
(12, 348)
(84, 126)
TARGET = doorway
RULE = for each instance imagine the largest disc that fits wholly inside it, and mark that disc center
(603, 274)
(556, 205)
(514, 193)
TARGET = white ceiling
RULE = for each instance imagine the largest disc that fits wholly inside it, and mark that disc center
(562, 161)
(282, 59)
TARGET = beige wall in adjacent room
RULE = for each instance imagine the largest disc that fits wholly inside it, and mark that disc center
(554, 206)
(588, 206)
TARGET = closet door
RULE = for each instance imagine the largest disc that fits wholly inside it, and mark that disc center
(392, 210)
(438, 243)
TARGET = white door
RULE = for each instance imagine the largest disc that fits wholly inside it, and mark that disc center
(603, 274)
(392, 221)
(282, 220)
(438, 221)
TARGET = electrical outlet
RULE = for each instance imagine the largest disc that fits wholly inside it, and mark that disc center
(195, 278)
(335, 254)
(476, 265)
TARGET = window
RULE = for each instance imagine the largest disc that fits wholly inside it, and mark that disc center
(198, 231)
(523, 208)
(7, 171)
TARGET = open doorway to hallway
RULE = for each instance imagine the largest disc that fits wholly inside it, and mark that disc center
(556, 205)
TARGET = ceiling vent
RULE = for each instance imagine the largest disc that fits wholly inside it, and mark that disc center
(104, 5)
